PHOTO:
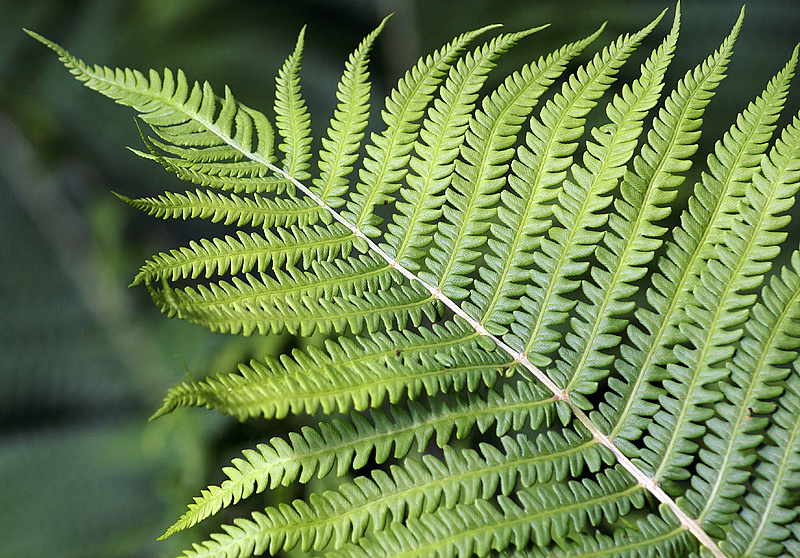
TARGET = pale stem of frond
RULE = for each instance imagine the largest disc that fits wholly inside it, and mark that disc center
(521, 358)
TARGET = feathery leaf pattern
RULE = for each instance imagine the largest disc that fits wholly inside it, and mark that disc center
(527, 356)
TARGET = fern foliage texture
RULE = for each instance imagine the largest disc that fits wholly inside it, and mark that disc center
(542, 339)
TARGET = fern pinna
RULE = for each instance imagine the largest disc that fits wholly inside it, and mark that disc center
(630, 383)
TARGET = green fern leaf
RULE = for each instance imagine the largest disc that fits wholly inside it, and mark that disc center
(671, 142)
(715, 308)
(291, 116)
(348, 375)
(486, 151)
(246, 253)
(310, 453)
(645, 537)
(753, 369)
(529, 358)
(200, 168)
(347, 126)
(256, 211)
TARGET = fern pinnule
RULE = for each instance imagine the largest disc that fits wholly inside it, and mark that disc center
(346, 129)
(241, 177)
(659, 166)
(291, 301)
(204, 169)
(479, 177)
(715, 308)
(292, 119)
(253, 211)
(646, 535)
(344, 379)
(578, 214)
(245, 253)
(539, 166)
(752, 370)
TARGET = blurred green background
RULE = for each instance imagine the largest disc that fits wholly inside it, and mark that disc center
(83, 360)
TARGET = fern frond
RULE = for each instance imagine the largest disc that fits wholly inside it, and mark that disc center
(291, 116)
(523, 215)
(237, 306)
(754, 369)
(187, 117)
(715, 308)
(349, 444)
(493, 322)
(671, 142)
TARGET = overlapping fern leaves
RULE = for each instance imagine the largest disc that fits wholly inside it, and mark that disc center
(629, 386)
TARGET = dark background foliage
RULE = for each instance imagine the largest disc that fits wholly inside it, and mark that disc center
(83, 361)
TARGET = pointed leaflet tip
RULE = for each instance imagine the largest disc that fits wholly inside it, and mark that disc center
(164, 410)
(487, 28)
(47, 42)
(597, 33)
(532, 30)
(58, 49)
(795, 53)
(676, 22)
(38, 37)
(126, 199)
(740, 19)
(658, 19)
(384, 20)
(301, 36)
